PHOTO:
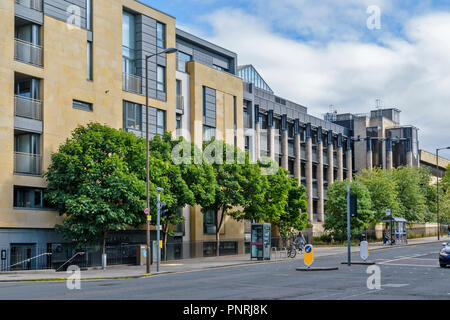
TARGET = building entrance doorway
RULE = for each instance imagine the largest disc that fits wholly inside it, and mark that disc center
(20, 255)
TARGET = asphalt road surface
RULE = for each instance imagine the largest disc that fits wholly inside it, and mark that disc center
(406, 273)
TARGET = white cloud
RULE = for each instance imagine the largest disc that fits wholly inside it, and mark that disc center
(412, 74)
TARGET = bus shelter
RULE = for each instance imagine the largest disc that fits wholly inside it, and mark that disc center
(397, 230)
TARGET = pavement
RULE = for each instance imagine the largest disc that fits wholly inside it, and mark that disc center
(192, 265)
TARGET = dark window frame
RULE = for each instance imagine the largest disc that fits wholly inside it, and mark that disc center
(81, 105)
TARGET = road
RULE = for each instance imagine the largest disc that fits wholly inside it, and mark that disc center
(406, 273)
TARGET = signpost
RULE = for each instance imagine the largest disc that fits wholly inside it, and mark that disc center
(349, 252)
(308, 258)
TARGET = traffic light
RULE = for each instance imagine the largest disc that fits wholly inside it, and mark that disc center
(353, 205)
(164, 211)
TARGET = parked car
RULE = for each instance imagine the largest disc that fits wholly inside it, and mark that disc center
(444, 256)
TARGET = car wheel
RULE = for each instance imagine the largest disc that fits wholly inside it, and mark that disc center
(443, 265)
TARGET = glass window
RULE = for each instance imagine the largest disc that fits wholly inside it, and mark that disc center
(160, 35)
(128, 43)
(132, 116)
(28, 197)
(27, 143)
(208, 133)
(160, 122)
(82, 105)
(89, 60)
(29, 88)
(161, 79)
(182, 58)
(209, 222)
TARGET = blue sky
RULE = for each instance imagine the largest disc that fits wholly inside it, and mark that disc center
(320, 53)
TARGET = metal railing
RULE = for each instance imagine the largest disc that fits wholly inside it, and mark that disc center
(32, 4)
(27, 108)
(132, 83)
(27, 163)
(27, 52)
(180, 103)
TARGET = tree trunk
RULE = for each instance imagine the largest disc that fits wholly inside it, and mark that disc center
(218, 227)
(217, 235)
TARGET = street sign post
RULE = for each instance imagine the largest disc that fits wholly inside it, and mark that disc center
(364, 250)
(158, 227)
(308, 258)
(147, 211)
(388, 212)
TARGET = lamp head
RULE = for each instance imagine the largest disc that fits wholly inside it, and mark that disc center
(170, 50)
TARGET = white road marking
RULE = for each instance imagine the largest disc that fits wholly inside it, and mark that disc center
(395, 285)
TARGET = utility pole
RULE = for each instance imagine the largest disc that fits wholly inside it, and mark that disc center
(158, 228)
(349, 251)
(166, 51)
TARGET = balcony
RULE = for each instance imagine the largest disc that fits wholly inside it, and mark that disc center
(32, 4)
(29, 53)
(27, 108)
(180, 103)
(132, 83)
(27, 163)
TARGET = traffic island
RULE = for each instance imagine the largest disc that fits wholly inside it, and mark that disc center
(317, 269)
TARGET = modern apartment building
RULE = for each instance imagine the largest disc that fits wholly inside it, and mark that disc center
(380, 139)
(315, 151)
(65, 63)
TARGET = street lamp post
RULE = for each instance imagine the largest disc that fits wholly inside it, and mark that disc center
(166, 51)
(437, 193)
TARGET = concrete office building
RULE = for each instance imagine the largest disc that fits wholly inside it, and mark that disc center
(379, 139)
(315, 151)
(437, 167)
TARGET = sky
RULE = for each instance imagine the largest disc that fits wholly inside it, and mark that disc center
(334, 54)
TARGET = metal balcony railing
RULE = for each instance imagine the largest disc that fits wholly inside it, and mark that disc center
(28, 53)
(27, 108)
(180, 103)
(32, 4)
(132, 83)
(27, 163)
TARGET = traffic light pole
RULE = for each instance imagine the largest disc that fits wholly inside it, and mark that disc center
(349, 252)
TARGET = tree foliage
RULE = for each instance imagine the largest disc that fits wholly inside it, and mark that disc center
(336, 207)
(94, 181)
(410, 188)
(383, 191)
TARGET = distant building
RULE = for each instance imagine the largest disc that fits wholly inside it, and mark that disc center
(428, 160)
(380, 140)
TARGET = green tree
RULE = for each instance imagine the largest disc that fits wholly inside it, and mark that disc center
(383, 191)
(444, 208)
(445, 182)
(228, 192)
(183, 183)
(253, 186)
(95, 182)
(410, 189)
(295, 217)
(336, 207)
